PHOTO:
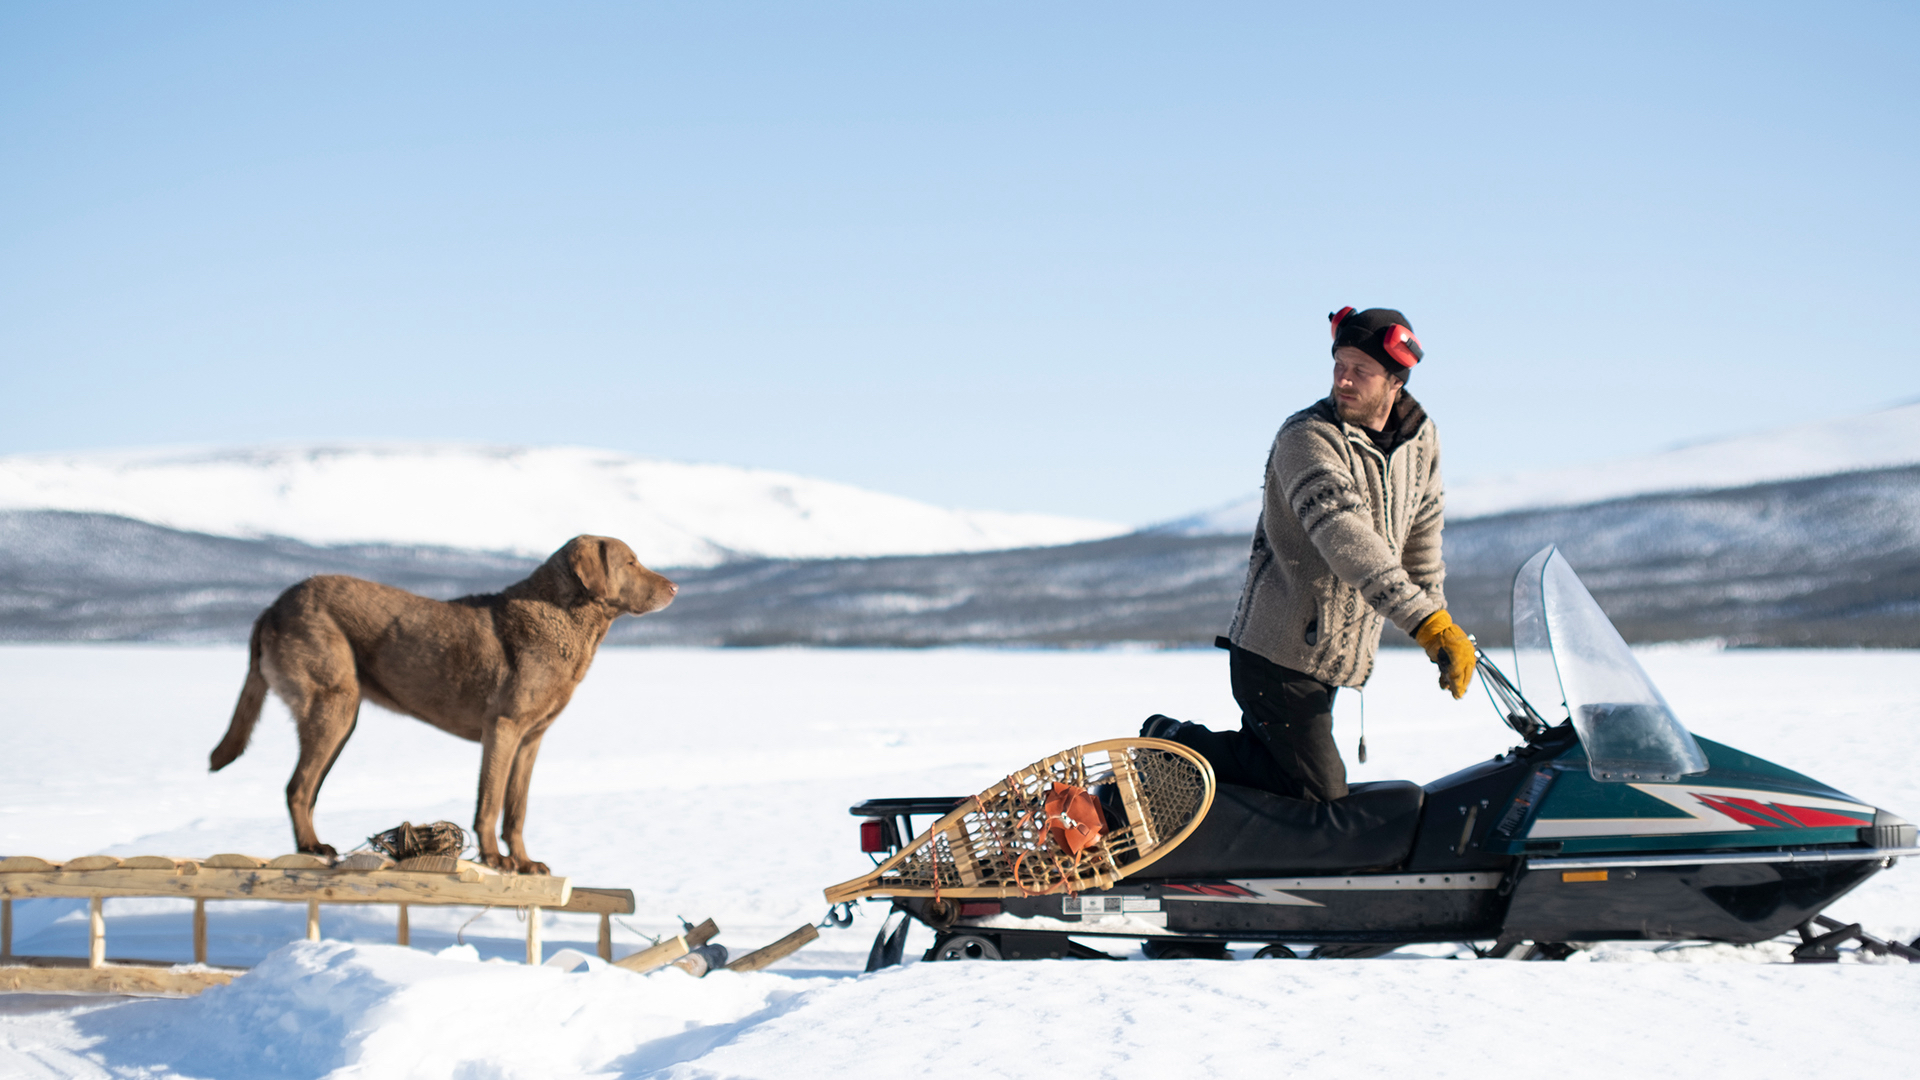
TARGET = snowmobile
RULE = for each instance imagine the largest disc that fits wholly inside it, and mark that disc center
(1615, 823)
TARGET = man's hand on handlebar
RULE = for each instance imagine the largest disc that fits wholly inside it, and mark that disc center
(1448, 646)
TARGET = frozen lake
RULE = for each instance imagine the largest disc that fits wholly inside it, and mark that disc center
(716, 784)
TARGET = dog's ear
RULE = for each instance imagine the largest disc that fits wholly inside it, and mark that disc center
(588, 561)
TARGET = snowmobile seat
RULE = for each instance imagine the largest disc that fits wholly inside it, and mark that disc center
(1254, 833)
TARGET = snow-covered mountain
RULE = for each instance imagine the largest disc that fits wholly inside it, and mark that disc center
(526, 500)
(1886, 439)
(1236, 518)
(1879, 440)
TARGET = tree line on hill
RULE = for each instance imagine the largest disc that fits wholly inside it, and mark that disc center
(1829, 561)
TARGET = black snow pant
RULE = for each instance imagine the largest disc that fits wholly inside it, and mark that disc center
(1285, 742)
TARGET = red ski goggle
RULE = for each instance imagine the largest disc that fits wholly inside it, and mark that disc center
(1396, 341)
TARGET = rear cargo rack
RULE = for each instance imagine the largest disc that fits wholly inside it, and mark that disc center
(898, 814)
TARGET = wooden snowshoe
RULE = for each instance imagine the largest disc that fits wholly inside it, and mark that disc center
(1030, 835)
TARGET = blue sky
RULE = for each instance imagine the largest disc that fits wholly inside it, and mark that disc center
(1073, 258)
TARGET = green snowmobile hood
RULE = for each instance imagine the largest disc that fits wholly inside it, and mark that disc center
(1741, 801)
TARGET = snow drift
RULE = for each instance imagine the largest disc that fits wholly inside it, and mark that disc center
(338, 1010)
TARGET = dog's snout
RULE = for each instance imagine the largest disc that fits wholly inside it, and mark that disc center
(661, 593)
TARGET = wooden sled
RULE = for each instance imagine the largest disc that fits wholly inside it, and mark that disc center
(1000, 843)
(362, 878)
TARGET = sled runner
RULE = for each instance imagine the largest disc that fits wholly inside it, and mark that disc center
(1081, 819)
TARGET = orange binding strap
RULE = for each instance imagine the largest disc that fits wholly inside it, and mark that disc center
(1074, 819)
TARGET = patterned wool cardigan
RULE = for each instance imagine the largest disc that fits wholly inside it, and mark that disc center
(1348, 535)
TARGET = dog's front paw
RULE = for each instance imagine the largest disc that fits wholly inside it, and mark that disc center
(528, 866)
(324, 850)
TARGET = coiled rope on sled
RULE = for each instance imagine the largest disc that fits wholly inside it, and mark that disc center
(408, 841)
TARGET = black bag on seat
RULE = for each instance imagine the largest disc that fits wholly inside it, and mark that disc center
(1253, 833)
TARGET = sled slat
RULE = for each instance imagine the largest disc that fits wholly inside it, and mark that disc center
(779, 950)
(656, 956)
(109, 979)
(324, 886)
(587, 901)
(668, 950)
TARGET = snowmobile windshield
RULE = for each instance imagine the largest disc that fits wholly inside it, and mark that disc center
(1563, 643)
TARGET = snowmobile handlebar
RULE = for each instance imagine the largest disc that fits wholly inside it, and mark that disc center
(1506, 698)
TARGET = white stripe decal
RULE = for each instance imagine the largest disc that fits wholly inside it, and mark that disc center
(1281, 890)
(1701, 816)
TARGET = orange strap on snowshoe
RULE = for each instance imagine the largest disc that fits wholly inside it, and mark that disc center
(1074, 819)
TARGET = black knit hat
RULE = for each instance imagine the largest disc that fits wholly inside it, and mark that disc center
(1381, 333)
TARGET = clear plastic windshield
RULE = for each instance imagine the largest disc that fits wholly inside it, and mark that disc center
(1532, 649)
(1564, 643)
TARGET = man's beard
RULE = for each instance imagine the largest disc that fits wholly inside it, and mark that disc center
(1363, 410)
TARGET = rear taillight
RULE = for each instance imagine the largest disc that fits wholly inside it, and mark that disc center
(873, 835)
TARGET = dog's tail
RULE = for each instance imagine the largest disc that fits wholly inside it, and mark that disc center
(246, 712)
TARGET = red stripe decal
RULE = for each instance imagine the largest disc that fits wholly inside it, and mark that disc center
(1780, 818)
(1808, 817)
(1733, 809)
(1778, 815)
(1223, 889)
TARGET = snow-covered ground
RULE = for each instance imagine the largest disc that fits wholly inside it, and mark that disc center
(1877, 440)
(672, 513)
(715, 783)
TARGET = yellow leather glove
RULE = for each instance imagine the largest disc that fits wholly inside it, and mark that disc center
(1447, 646)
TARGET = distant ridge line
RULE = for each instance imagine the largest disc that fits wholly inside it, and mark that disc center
(1887, 439)
(1822, 561)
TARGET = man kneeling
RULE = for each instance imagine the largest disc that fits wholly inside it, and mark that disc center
(1348, 536)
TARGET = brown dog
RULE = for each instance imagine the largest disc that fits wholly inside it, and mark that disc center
(496, 668)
